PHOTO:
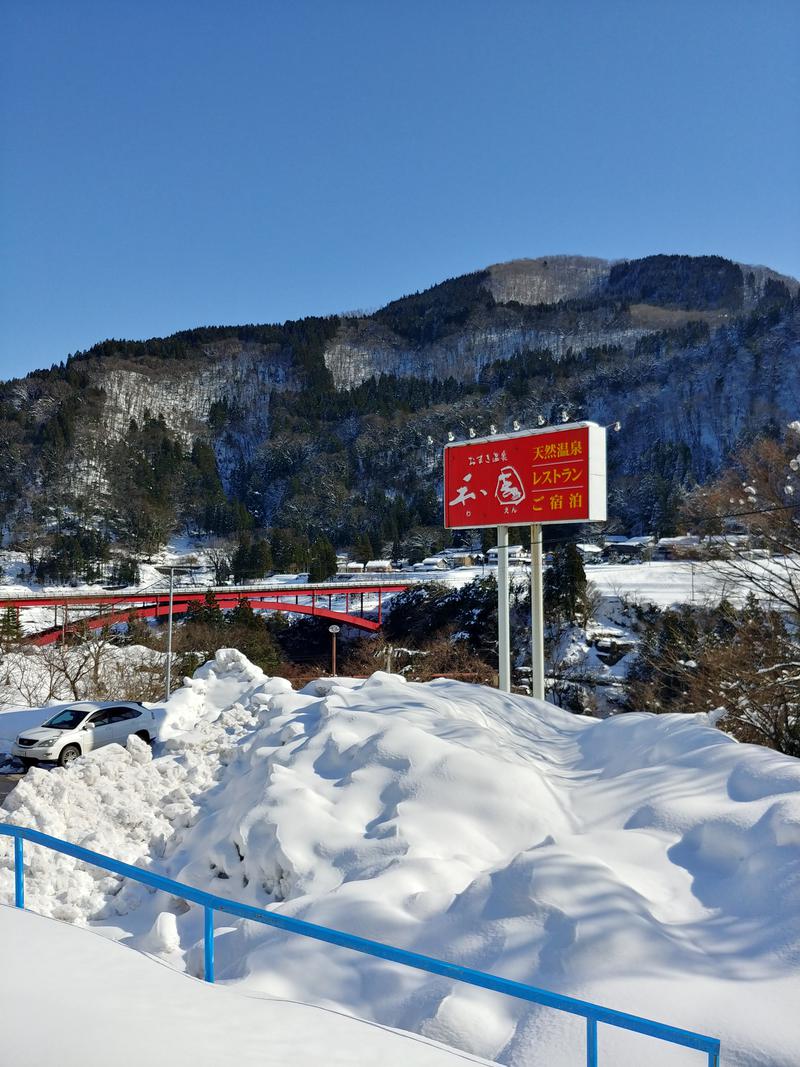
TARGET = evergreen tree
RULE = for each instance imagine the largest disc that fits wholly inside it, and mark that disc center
(208, 613)
(251, 634)
(323, 560)
(363, 548)
(10, 628)
(251, 560)
(564, 584)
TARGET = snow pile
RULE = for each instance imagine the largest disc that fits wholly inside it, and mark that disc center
(648, 863)
(122, 802)
(119, 801)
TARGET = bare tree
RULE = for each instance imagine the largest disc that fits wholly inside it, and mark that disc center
(759, 497)
(220, 556)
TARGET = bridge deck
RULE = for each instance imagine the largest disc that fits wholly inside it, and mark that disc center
(301, 598)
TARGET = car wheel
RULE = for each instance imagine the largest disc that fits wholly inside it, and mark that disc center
(69, 753)
(144, 736)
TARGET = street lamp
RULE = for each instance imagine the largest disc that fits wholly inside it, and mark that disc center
(171, 571)
(333, 631)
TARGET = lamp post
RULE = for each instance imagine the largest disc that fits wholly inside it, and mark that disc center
(171, 570)
(333, 631)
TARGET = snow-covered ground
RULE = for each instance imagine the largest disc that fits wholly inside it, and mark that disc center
(648, 863)
(74, 999)
(667, 583)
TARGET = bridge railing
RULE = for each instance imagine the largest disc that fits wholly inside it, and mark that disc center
(594, 1014)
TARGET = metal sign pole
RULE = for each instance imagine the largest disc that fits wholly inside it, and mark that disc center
(537, 615)
(503, 632)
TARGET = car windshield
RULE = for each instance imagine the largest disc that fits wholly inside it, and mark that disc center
(68, 719)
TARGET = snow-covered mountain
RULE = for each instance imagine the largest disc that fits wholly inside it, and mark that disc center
(693, 354)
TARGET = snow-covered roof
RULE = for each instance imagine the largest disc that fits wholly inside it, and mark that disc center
(678, 542)
(591, 549)
(373, 564)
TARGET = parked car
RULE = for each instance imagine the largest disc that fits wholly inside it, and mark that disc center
(82, 727)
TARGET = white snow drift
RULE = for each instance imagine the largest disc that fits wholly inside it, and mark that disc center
(648, 863)
(76, 1000)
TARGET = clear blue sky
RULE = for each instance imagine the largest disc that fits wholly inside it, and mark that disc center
(175, 163)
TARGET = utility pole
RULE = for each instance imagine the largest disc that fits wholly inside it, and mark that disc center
(171, 570)
(169, 633)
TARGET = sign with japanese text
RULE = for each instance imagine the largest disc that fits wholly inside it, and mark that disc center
(556, 474)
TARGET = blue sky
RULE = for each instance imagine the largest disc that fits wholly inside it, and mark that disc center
(167, 165)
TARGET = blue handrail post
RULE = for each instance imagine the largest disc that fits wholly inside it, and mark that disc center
(208, 970)
(591, 1042)
(713, 1059)
(19, 874)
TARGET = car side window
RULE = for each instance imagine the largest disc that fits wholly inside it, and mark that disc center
(123, 714)
(100, 718)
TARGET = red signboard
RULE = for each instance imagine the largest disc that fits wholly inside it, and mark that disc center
(556, 474)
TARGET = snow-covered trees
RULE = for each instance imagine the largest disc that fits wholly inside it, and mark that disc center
(760, 496)
(742, 663)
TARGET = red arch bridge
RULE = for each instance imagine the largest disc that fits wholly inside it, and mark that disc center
(351, 603)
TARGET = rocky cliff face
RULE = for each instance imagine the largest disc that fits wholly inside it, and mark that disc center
(357, 355)
(233, 374)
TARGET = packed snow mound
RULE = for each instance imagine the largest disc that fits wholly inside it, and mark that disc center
(125, 804)
(649, 863)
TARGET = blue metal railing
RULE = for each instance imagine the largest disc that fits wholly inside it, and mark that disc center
(593, 1013)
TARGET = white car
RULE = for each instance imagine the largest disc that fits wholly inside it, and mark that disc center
(82, 727)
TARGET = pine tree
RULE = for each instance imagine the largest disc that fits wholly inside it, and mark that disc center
(575, 582)
(10, 628)
(323, 560)
(564, 585)
(208, 613)
(363, 549)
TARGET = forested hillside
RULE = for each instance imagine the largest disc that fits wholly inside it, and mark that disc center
(333, 426)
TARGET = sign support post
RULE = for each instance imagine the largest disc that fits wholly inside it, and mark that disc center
(537, 614)
(503, 625)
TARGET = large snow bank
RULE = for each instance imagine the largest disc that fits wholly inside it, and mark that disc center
(76, 1000)
(648, 863)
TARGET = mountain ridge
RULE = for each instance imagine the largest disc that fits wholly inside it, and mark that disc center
(695, 354)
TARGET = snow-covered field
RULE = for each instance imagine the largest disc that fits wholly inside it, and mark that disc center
(77, 1000)
(648, 863)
